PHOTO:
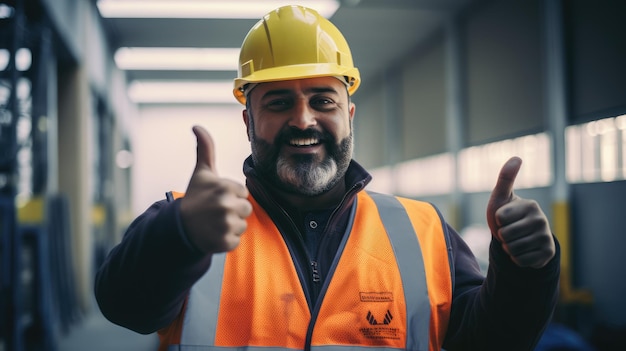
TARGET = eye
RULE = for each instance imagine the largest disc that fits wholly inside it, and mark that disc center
(323, 103)
(278, 104)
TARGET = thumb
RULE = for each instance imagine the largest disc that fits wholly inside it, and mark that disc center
(502, 193)
(205, 150)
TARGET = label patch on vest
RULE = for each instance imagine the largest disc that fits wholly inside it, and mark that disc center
(380, 323)
(380, 328)
(376, 296)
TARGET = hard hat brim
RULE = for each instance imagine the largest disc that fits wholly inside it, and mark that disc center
(302, 71)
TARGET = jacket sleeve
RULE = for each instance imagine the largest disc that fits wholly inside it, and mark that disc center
(507, 310)
(145, 279)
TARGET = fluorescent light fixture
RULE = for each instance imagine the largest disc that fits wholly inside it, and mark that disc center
(4, 59)
(201, 92)
(23, 59)
(205, 8)
(124, 159)
(192, 59)
(6, 11)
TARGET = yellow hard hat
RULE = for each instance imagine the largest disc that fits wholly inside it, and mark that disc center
(294, 42)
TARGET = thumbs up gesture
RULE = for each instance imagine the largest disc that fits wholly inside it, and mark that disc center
(518, 224)
(214, 209)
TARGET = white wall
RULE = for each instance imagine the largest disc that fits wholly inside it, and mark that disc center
(164, 148)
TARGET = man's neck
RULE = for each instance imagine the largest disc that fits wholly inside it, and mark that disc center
(304, 203)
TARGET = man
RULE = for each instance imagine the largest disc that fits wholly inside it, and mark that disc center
(303, 257)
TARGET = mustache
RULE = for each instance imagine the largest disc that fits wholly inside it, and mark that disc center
(291, 132)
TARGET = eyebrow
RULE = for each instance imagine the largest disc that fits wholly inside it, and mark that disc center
(314, 90)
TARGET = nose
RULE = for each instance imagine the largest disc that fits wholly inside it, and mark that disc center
(303, 115)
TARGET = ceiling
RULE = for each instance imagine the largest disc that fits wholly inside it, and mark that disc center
(379, 32)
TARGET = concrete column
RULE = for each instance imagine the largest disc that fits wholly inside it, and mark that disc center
(454, 113)
(74, 146)
(52, 130)
(393, 118)
(556, 110)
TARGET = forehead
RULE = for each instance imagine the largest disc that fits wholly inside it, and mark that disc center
(306, 85)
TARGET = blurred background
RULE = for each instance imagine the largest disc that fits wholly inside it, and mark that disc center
(98, 97)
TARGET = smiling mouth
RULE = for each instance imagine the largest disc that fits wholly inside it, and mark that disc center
(304, 142)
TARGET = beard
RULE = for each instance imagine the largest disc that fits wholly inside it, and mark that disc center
(305, 174)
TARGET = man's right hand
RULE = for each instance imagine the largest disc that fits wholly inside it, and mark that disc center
(214, 209)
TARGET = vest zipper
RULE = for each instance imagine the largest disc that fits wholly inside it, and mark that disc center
(299, 266)
(315, 268)
(321, 287)
(316, 272)
(321, 253)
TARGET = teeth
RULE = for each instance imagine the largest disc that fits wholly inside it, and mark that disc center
(304, 142)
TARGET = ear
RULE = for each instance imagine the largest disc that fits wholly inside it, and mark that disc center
(246, 121)
(352, 110)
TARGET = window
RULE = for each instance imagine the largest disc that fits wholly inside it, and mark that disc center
(479, 166)
(596, 151)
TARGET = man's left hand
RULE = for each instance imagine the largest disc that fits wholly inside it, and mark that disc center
(518, 224)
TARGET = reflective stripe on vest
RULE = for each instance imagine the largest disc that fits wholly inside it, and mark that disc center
(202, 310)
(411, 265)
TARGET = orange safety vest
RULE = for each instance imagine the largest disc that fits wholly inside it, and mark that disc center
(390, 287)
